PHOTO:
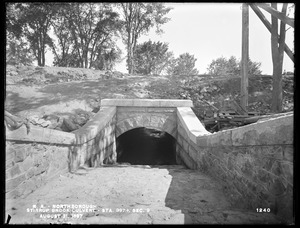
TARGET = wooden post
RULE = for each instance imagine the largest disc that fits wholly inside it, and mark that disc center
(268, 25)
(245, 57)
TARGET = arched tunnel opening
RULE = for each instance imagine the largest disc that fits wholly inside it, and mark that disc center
(145, 146)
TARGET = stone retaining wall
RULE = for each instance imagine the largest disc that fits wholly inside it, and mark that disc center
(189, 128)
(254, 162)
(33, 159)
(95, 143)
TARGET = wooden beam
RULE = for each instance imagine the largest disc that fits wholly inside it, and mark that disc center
(265, 21)
(245, 57)
(277, 14)
(277, 59)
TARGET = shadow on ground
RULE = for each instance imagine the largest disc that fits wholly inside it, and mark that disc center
(29, 98)
(202, 201)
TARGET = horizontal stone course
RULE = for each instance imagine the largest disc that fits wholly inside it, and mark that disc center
(30, 172)
(34, 167)
(272, 132)
(39, 135)
(146, 103)
(14, 182)
(13, 171)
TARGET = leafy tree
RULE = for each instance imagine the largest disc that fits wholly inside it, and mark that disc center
(107, 58)
(254, 68)
(84, 30)
(63, 51)
(13, 25)
(151, 57)
(183, 65)
(17, 50)
(231, 66)
(34, 19)
(218, 66)
(137, 19)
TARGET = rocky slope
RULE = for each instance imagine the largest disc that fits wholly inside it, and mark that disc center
(66, 98)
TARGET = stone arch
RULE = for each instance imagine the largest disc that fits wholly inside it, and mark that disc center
(146, 146)
(159, 122)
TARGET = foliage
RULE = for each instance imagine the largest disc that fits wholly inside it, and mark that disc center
(183, 65)
(151, 57)
(85, 34)
(222, 66)
(18, 52)
(34, 20)
(13, 27)
(64, 55)
(137, 19)
(107, 59)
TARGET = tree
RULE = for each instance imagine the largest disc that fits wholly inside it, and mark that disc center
(35, 21)
(17, 49)
(63, 51)
(218, 67)
(138, 18)
(85, 33)
(107, 58)
(254, 68)
(18, 52)
(183, 65)
(231, 66)
(151, 57)
(13, 25)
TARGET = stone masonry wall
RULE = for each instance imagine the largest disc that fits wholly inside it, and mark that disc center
(33, 159)
(188, 152)
(256, 162)
(188, 129)
(95, 141)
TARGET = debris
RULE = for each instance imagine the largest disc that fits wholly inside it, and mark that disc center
(226, 120)
(14, 122)
(68, 125)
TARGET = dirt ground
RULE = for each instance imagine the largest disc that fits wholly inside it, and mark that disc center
(36, 93)
(64, 98)
(133, 195)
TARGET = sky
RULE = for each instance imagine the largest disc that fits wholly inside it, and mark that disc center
(212, 30)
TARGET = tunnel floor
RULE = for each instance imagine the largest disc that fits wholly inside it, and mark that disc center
(134, 194)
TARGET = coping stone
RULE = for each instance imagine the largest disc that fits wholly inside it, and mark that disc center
(147, 102)
(191, 123)
(39, 134)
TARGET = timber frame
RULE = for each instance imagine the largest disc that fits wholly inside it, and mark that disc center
(245, 40)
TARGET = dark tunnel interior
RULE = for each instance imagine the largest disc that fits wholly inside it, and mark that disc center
(145, 146)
